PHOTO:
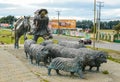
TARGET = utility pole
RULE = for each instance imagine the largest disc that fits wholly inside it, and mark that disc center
(94, 33)
(58, 12)
(100, 4)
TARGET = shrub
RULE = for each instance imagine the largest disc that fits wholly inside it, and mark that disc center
(105, 72)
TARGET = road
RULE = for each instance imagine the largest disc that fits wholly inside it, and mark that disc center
(106, 45)
(101, 44)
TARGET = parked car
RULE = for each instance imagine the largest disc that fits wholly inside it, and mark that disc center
(85, 41)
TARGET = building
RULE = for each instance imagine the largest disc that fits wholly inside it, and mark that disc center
(5, 25)
(62, 26)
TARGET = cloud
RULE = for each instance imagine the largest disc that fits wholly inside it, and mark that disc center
(6, 5)
(74, 5)
(79, 9)
(111, 2)
(111, 12)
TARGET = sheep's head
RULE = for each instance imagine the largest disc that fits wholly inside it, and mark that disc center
(101, 57)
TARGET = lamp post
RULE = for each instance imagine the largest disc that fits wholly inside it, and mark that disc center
(94, 32)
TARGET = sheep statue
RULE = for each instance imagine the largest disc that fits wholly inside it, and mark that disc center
(27, 45)
(98, 57)
(72, 65)
(38, 53)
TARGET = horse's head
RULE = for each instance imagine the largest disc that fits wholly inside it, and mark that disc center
(26, 22)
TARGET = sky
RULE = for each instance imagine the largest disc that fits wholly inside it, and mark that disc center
(69, 9)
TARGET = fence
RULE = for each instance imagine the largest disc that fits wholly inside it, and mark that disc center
(117, 38)
(110, 37)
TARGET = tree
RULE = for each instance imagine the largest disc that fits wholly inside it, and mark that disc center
(111, 24)
(117, 28)
(9, 19)
(84, 24)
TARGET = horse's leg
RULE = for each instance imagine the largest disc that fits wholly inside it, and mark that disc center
(44, 37)
(25, 36)
(17, 42)
(35, 37)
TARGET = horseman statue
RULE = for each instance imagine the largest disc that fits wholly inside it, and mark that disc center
(38, 27)
(40, 24)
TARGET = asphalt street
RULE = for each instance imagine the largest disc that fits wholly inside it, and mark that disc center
(101, 44)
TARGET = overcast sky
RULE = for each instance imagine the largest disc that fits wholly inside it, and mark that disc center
(72, 9)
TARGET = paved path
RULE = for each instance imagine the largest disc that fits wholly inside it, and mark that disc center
(13, 70)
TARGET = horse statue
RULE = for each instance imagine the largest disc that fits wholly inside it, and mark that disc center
(21, 27)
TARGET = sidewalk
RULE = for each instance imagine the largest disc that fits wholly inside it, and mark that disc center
(13, 70)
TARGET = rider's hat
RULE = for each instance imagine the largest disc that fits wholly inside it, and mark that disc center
(46, 12)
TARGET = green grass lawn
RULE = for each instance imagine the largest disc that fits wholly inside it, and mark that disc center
(7, 37)
(11, 40)
(5, 32)
(110, 31)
